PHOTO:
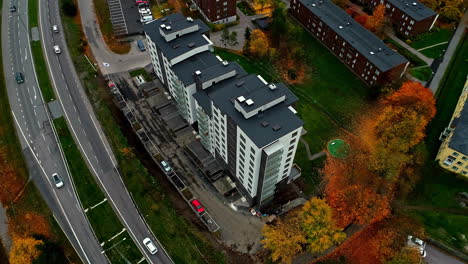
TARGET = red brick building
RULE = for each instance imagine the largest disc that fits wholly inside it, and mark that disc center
(409, 17)
(217, 11)
(359, 49)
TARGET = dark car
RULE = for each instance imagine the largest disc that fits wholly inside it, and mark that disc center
(197, 205)
(19, 77)
(12, 8)
(141, 45)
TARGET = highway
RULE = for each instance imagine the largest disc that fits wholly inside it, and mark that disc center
(87, 133)
(38, 140)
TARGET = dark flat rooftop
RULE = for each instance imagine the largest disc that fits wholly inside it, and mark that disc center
(185, 69)
(181, 45)
(459, 141)
(414, 9)
(356, 35)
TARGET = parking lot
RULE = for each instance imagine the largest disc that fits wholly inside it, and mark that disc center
(124, 17)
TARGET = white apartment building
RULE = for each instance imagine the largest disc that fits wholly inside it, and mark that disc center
(247, 124)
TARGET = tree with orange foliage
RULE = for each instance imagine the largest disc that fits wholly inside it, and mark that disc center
(11, 184)
(362, 19)
(27, 224)
(408, 255)
(24, 250)
(375, 22)
(259, 44)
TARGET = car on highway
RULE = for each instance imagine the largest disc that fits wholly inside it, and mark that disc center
(150, 246)
(12, 8)
(57, 180)
(57, 49)
(197, 205)
(19, 77)
(55, 29)
(166, 166)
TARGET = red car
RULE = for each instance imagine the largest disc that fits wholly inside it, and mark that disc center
(197, 205)
(141, 2)
(111, 84)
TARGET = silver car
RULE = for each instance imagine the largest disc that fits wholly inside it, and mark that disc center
(57, 49)
(57, 180)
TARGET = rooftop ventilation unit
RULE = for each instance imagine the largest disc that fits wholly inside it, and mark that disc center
(380, 49)
(176, 46)
(313, 4)
(241, 99)
(198, 72)
(191, 45)
(249, 102)
(265, 124)
(189, 19)
(272, 86)
(371, 53)
(276, 127)
(340, 26)
(415, 4)
(163, 19)
(168, 28)
(163, 26)
(225, 63)
(239, 84)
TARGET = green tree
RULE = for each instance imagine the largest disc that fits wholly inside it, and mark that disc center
(279, 24)
(318, 226)
(225, 37)
(233, 39)
(247, 37)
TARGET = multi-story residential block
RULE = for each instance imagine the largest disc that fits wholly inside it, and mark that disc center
(359, 49)
(217, 11)
(409, 17)
(251, 127)
(247, 124)
(453, 152)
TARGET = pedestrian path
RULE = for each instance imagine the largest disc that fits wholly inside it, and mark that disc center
(411, 49)
(431, 46)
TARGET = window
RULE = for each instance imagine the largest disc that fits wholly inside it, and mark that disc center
(294, 134)
(454, 167)
(288, 160)
(464, 158)
(252, 150)
(291, 147)
(242, 138)
(455, 154)
(464, 172)
(290, 154)
(292, 141)
(252, 157)
(225, 3)
(242, 146)
(459, 163)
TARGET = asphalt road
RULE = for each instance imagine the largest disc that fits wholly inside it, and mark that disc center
(87, 133)
(438, 256)
(40, 148)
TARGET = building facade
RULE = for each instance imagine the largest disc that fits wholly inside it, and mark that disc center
(453, 152)
(247, 124)
(359, 49)
(217, 11)
(409, 17)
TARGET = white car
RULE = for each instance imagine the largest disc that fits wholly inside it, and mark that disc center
(419, 244)
(57, 49)
(57, 180)
(146, 19)
(144, 11)
(166, 166)
(150, 246)
(55, 29)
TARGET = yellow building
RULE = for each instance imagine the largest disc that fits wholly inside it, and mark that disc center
(453, 152)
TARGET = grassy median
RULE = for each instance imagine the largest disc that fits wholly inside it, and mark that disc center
(101, 217)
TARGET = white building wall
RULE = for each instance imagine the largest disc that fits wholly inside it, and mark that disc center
(219, 132)
(248, 157)
(289, 143)
(192, 52)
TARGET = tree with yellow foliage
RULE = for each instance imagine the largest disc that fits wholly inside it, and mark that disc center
(319, 227)
(284, 239)
(24, 250)
(259, 44)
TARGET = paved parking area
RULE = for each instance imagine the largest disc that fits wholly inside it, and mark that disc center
(117, 17)
(124, 17)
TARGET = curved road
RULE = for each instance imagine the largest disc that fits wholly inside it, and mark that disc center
(87, 133)
(42, 153)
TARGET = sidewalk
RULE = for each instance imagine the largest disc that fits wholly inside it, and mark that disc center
(411, 49)
(434, 84)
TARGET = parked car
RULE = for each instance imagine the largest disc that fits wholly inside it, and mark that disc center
(144, 11)
(150, 246)
(166, 166)
(57, 180)
(145, 19)
(19, 77)
(197, 205)
(12, 8)
(141, 45)
(55, 29)
(419, 244)
(141, 2)
(57, 49)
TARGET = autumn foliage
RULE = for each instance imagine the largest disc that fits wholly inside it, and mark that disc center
(11, 184)
(312, 227)
(29, 223)
(24, 250)
(259, 44)
(375, 22)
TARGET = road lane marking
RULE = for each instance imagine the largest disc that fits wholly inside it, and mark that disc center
(48, 148)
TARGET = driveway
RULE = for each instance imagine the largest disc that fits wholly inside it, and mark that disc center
(102, 54)
(437, 256)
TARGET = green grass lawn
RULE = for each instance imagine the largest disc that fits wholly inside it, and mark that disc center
(140, 72)
(438, 187)
(32, 16)
(42, 72)
(434, 37)
(102, 218)
(423, 74)
(245, 9)
(103, 15)
(328, 98)
(415, 60)
(179, 237)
